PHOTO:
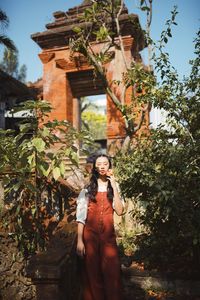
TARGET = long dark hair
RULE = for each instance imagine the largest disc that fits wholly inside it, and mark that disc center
(92, 187)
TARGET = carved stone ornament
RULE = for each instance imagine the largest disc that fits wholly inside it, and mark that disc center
(46, 57)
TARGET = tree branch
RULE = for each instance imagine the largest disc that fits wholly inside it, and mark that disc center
(119, 33)
(143, 112)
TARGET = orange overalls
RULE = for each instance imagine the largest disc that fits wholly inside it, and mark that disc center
(101, 264)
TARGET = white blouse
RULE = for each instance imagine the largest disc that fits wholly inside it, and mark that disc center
(82, 203)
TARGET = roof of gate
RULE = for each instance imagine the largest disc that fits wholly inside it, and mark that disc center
(61, 30)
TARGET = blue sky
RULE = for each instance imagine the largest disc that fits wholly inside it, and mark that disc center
(30, 16)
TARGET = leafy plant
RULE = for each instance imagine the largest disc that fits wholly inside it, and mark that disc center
(32, 162)
(162, 173)
(4, 39)
(96, 123)
(10, 65)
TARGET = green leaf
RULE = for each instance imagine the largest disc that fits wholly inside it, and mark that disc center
(74, 148)
(169, 34)
(56, 173)
(25, 127)
(62, 168)
(39, 144)
(45, 131)
(18, 209)
(74, 158)
(33, 211)
(145, 8)
(77, 29)
(31, 160)
(16, 186)
(44, 168)
(50, 155)
(165, 40)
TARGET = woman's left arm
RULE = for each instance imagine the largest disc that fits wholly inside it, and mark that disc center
(117, 201)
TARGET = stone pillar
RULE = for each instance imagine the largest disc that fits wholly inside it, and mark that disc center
(77, 113)
(77, 117)
(56, 88)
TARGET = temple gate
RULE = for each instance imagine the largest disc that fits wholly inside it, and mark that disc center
(67, 78)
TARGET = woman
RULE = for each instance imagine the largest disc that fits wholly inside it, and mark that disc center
(96, 237)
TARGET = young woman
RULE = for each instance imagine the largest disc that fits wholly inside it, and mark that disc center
(96, 242)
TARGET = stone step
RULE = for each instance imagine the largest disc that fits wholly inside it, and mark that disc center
(69, 164)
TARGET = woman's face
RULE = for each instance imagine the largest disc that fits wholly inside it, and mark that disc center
(102, 165)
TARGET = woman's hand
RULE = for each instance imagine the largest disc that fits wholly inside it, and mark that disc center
(80, 249)
(111, 178)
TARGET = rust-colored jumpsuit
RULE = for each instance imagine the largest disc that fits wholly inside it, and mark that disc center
(102, 267)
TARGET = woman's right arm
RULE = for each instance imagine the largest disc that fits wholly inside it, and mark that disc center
(80, 245)
(81, 215)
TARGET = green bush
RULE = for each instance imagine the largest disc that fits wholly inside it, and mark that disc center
(162, 173)
(32, 161)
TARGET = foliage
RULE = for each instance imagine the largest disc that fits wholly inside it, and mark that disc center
(95, 123)
(32, 161)
(10, 65)
(5, 40)
(128, 242)
(92, 120)
(163, 174)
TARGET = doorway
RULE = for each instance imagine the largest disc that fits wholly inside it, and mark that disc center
(89, 106)
(94, 119)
